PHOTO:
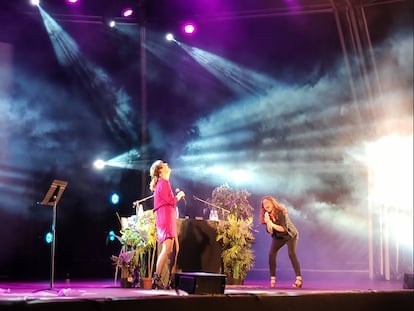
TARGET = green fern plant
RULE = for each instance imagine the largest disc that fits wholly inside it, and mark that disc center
(235, 201)
(235, 233)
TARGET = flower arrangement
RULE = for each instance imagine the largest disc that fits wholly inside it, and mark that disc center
(139, 241)
(147, 248)
(125, 263)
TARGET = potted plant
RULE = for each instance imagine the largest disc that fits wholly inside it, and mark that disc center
(235, 232)
(137, 256)
(127, 260)
(147, 249)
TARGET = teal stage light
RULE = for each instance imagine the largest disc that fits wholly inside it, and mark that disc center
(111, 236)
(49, 237)
(115, 198)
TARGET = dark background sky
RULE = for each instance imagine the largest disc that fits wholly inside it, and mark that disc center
(274, 98)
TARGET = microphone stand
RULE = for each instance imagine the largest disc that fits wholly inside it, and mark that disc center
(136, 204)
(223, 210)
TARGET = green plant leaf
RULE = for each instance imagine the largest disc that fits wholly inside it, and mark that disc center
(236, 232)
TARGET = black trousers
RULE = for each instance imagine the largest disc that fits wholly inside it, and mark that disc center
(275, 246)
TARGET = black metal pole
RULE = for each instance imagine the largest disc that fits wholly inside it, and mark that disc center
(52, 259)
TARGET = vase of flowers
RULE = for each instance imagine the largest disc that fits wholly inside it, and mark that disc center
(139, 242)
(125, 263)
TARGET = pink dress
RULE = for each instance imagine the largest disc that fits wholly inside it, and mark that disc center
(165, 210)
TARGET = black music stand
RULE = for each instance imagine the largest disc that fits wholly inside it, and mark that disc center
(52, 198)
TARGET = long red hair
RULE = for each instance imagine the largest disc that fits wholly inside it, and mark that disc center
(155, 173)
(276, 206)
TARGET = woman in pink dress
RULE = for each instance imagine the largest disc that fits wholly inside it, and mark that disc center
(165, 212)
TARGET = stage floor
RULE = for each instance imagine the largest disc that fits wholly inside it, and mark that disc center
(102, 289)
(109, 296)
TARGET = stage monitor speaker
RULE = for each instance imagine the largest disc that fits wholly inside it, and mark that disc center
(408, 281)
(200, 282)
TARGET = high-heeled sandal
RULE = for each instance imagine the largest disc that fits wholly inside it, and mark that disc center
(272, 282)
(157, 283)
(171, 282)
(298, 282)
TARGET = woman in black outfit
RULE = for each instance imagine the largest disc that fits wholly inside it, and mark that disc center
(275, 216)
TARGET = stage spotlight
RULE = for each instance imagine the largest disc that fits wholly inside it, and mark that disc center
(169, 37)
(115, 198)
(48, 237)
(111, 23)
(127, 12)
(111, 235)
(189, 28)
(35, 2)
(72, 1)
(99, 164)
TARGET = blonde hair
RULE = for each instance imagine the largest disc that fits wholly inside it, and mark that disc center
(155, 173)
(275, 207)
